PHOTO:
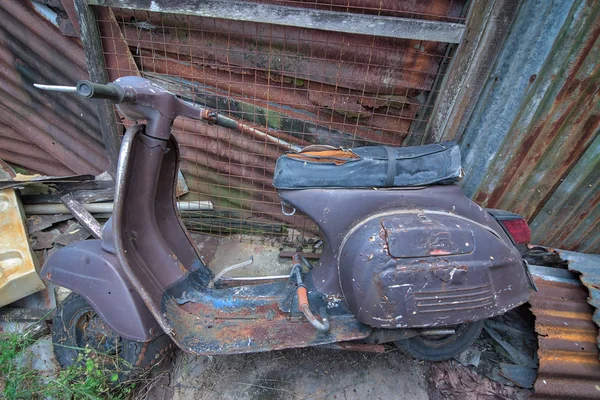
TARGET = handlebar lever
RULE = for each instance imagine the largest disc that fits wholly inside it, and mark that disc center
(89, 90)
(56, 88)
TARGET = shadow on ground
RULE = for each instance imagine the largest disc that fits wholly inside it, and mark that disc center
(300, 374)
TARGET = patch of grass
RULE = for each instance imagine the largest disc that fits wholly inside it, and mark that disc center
(93, 376)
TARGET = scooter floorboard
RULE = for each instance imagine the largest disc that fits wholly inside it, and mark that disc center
(249, 319)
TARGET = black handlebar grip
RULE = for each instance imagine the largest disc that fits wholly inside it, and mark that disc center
(93, 90)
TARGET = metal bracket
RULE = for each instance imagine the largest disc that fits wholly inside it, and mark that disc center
(229, 269)
(283, 205)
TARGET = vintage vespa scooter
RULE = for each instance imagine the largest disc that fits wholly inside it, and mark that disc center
(407, 257)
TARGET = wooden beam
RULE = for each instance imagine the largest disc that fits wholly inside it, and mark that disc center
(401, 28)
(90, 38)
(488, 24)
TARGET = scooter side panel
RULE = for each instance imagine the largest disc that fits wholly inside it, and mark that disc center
(410, 268)
(95, 274)
(336, 211)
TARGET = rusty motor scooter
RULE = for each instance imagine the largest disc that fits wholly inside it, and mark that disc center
(407, 259)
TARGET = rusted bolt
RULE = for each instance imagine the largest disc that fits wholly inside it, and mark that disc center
(151, 331)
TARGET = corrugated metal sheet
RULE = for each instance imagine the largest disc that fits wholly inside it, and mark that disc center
(569, 219)
(45, 132)
(568, 352)
(531, 145)
(301, 85)
(588, 265)
(357, 84)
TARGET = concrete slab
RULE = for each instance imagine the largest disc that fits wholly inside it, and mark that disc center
(300, 374)
(220, 253)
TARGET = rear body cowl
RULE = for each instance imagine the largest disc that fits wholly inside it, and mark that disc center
(414, 257)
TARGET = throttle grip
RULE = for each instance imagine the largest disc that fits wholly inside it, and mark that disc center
(93, 90)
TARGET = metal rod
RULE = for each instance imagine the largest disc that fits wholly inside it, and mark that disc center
(100, 208)
(436, 332)
(349, 346)
(82, 215)
(57, 88)
(256, 278)
(401, 28)
(229, 269)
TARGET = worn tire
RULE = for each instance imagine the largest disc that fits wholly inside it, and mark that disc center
(69, 339)
(422, 348)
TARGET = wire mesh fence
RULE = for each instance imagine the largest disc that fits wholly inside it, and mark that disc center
(293, 86)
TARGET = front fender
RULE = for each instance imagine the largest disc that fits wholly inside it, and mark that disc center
(87, 269)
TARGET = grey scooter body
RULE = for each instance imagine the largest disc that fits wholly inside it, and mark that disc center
(395, 259)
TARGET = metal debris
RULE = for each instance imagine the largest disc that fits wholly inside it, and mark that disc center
(588, 265)
(74, 233)
(36, 223)
(18, 276)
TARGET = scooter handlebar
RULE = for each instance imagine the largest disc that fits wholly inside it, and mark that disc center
(91, 90)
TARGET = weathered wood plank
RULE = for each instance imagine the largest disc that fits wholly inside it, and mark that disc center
(401, 28)
(90, 38)
(488, 25)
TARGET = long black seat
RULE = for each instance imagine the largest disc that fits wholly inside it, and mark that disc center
(372, 166)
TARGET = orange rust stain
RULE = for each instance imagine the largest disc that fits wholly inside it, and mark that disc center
(439, 252)
(565, 314)
(552, 356)
(326, 156)
(568, 334)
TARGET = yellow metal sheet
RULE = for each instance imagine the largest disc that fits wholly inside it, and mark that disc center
(18, 265)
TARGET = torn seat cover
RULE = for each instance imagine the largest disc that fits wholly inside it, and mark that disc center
(372, 166)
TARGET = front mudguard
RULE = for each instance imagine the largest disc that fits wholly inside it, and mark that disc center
(87, 269)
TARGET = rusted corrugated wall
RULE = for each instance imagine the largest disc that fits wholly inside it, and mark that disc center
(300, 85)
(52, 133)
(568, 348)
(532, 145)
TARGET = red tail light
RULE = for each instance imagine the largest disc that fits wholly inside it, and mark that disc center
(518, 230)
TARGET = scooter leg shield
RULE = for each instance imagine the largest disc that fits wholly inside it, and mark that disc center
(98, 276)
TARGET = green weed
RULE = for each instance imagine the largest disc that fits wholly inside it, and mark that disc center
(93, 376)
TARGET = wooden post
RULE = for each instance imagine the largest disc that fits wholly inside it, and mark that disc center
(92, 45)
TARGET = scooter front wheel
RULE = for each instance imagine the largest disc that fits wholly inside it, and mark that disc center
(442, 347)
(79, 332)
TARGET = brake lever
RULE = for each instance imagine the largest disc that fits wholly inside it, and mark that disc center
(91, 90)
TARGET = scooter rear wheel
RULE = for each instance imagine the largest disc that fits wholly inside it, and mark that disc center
(76, 327)
(443, 347)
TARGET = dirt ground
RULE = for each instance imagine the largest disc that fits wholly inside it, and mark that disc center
(312, 373)
(300, 374)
